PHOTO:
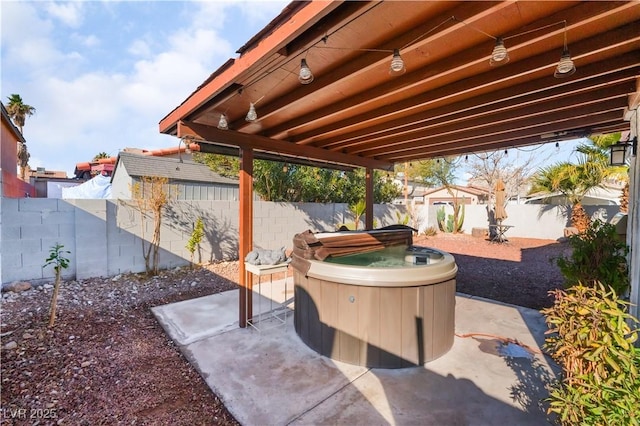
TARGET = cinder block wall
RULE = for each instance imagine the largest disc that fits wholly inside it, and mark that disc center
(104, 237)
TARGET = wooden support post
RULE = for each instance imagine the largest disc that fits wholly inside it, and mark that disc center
(246, 234)
(368, 199)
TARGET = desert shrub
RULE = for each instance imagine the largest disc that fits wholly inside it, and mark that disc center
(592, 338)
(598, 255)
(430, 231)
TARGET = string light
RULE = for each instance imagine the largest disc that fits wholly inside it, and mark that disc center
(251, 115)
(223, 124)
(305, 76)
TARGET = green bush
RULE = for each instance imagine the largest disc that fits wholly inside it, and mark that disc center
(598, 255)
(196, 238)
(592, 340)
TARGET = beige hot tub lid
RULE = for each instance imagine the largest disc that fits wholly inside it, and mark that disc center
(412, 275)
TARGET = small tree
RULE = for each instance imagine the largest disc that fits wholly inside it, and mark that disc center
(196, 238)
(151, 195)
(59, 263)
(597, 255)
(358, 210)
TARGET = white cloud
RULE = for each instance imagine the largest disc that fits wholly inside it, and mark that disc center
(68, 13)
(86, 40)
(80, 115)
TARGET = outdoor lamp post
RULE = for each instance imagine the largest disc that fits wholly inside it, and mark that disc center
(620, 149)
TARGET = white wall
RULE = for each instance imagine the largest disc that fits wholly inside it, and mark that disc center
(528, 220)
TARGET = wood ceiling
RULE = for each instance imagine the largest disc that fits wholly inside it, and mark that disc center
(450, 100)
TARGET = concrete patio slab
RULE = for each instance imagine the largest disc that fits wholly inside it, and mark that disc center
(267, 375)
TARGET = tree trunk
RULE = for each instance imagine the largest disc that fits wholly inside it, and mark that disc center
(54, 300)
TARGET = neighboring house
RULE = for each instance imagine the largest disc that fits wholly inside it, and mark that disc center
(49, 183)
(192, 181)
(464, 194)
(11, 185)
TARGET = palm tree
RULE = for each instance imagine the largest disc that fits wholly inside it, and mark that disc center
(575, 180)
(18, 110)
(100, 155)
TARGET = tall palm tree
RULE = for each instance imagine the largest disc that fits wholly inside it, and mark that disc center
(100, 155)
(575, 180)
(18, 110)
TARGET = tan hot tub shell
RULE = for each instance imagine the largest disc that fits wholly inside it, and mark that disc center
(377, 317)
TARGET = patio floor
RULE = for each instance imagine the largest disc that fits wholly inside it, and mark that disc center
(269, 376)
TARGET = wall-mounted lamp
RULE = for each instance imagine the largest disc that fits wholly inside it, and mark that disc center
(305, 76)
(251, 115)
(223, 124)
(621, 150)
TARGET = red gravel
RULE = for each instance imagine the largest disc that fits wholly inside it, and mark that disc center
(520, 271)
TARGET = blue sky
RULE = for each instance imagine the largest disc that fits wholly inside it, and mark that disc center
(102, 74)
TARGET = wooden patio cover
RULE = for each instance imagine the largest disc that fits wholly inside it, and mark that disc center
(449, 101)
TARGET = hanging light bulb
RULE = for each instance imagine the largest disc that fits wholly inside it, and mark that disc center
(251, 115)
(223, 124)
(285, 168)
(397, 64)
(557, 146)
(305, 76)
(466, 158)
(565, 67)
(499, 56)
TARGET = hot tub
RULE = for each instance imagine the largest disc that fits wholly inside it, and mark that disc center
(390, 308)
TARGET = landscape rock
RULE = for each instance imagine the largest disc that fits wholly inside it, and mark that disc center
(11, 345)
(17, 286)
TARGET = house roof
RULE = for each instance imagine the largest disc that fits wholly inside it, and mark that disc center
(87, 165)
(478, 192)
(449, 101)
(171, 168)
(10, 125)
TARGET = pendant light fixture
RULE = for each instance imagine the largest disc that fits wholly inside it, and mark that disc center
(305, 76)
(566, 66)
(223, 124)
(251, 115)
(499, 56)
(397, 64)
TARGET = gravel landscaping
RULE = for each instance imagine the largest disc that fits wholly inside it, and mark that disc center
(107, 360)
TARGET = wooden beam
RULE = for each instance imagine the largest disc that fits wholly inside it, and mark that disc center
(214, 135)
(368, 199)
(246, 235)
(592, 77)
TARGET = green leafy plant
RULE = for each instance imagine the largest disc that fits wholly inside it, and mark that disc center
(59, 263)
(440, 217)
(403, 220)
(196, 238)
(358, 209)
(453, 221)
(598, 255)
(592, 338)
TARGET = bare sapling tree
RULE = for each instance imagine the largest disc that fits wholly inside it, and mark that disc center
(59, 263)
(151, 195)
(515, 171)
